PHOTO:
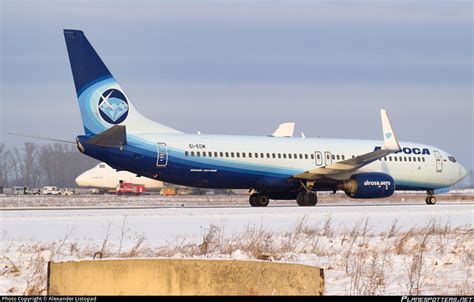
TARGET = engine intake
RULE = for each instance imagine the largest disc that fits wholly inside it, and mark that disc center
(368, 185)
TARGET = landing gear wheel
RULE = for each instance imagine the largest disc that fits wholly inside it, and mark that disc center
(252, 199)
(307, 199)
(431, 200)
(311, 199)
(262, 200)
(300, 198)
(259, 200)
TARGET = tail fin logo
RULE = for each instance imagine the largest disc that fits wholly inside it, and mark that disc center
(113, 106)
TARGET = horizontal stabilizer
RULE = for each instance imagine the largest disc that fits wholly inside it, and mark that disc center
(112, 137)
(44, 138)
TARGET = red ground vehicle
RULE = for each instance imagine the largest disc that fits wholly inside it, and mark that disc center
(129, 188)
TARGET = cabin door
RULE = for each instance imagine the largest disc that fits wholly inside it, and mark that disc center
(161, 155)
(439, 162)
(319, 158)
(328, 158)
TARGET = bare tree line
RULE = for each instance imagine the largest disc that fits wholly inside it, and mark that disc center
(34, 165)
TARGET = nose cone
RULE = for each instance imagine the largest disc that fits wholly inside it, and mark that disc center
(462, 172)
(81, 180)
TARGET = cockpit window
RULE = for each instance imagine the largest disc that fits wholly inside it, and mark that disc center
(451, 158)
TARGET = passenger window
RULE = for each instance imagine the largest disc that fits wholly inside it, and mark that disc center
(231, 154)
(385, 158)
(238, 154)
(306, 156)
(405, 158)
(203, 153)
(250, 154)
(221, 154)
(268, 155)
(227, 154)
(295, 156)
(301, 156)
(192, 153)
(318, 156)
(210, 154)
(312, 156)
(423, 159)
(215, 154)
(333, 157)
(262, 155)
(284, 155)
(395, 159)
(389, 158)
(289, 155)
(256, 155)
(273, 155)
(343, 157)
(198, 153)
(186, 153)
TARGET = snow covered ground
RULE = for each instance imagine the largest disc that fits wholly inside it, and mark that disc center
(365, 248)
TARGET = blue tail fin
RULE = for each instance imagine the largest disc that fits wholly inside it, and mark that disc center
(102, 101)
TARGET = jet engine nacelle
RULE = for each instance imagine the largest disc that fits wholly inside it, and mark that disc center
(368, 185)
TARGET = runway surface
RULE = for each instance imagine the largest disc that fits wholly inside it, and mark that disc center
(219, 206)
(167, 223)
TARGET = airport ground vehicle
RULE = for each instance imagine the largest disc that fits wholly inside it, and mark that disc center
(35, 191)
(168, 191)
(125, 188)
(67, 192)
(271, 167)
(50, 190)
(20, 190)
(96, 191)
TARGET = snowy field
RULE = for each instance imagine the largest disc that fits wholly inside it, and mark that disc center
(365, 248)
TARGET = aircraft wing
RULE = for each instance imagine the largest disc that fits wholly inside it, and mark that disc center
(391, 145)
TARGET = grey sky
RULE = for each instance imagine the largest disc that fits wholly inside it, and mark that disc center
(243, 67)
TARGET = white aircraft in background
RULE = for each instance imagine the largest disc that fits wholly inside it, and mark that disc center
(271, 167)
(103, 176)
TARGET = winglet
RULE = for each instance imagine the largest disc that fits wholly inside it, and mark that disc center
(389, 137)
(284, 130)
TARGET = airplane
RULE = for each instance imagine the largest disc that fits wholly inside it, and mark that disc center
(271, 168)
(103, 176)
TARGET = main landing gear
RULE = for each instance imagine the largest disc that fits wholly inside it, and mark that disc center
(259, 200)
(430, 199)
(307, 198)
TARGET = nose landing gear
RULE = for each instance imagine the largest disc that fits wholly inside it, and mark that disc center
(430, 199)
